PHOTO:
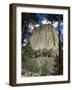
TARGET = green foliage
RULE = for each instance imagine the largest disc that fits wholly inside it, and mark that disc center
(27, 59)
(30, 64)
(27, 50)
(44, 69)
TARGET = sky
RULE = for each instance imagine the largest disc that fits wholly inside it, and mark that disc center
(43, 19)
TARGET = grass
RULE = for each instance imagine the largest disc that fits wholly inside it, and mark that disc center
(44, 69)
(30, 64)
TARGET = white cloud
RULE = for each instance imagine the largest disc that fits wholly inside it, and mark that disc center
(37, 25)
(55, 24)
(25, 41)
(31, 27)
(44, 21)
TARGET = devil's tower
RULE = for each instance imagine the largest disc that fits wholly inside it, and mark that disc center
(44, 37)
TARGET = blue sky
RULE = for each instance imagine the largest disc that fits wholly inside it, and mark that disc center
(40, 17)
(50, 17)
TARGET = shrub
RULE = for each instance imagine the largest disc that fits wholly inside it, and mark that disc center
(44, 69)
(30, 64)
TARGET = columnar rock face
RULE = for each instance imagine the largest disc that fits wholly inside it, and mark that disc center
(44, 37)
(44, 43)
